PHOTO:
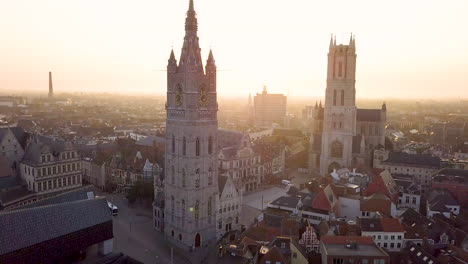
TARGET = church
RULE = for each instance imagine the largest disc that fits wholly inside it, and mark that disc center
(343, 136)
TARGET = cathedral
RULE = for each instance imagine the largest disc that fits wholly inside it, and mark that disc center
(343, 136)
(191, 171)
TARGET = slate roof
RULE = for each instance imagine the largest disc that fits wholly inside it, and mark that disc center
(441, 196)
(9, 182)
(413, 159)
(289, 201)
(18, 132)
(418, 255)
(5, 170)
(27, 227)
(39, 143)
(412, 218)
(369, 115)
(69, 196)
(221, 183)
(13, 194)
(229, 152)
(453, 172)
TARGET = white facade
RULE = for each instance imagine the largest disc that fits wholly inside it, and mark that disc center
(229, 208)
(52, 171)
(392, 241)
(349, 207)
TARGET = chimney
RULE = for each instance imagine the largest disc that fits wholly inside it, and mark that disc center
(51, 88)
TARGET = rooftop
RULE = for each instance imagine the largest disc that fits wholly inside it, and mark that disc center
(51, 221)
(351, 246)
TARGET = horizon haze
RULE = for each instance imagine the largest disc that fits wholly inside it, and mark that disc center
(405, 49)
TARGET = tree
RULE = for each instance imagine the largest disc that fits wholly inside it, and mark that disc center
(143, 191)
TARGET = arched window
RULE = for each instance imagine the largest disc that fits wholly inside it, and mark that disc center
(197, 147)
(184, 183)
(180, 237)
(210, 176)
(334, 97)
(172, 208)
(173, 144)
(342, 97)
(197, 178)
(337, 149)
(340, 69)
(184, 146)
(210, 145)
(172, 175)
(196, 214)
(210, 209)
(183, 209)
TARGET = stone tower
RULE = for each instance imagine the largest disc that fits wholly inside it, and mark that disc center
(339, 125)
(191, 174)
(51, 88)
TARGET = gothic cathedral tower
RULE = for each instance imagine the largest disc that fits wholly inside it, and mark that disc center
(191, 182)
(339, 125)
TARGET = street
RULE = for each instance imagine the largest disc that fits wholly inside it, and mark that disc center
(134, 235)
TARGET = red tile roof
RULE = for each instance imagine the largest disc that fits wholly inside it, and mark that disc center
(343, 240)
(391, 225)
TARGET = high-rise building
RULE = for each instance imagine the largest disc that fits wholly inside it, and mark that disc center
(191, 169)
(269, 108)
(344, 135)
(51, 88)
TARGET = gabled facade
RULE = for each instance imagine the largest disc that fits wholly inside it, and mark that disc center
(50, 165)
(12, 144)
(238, 160)
(229, 206)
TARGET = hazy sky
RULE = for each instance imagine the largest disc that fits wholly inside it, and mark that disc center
(405, 48)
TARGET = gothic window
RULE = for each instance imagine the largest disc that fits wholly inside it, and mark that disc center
(197, 147)
(184, 146)
(184, 180)
(210, 176)
(183, 209)
(334, 97)
(197, 211)
(342, 97)
(340, 69)
(173, 144)
(210, 145)
(337, 149)
(197, 178)
(210, 207)
(172, 175)
(172, 208)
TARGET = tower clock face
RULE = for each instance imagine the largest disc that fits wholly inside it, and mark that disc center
(203, 95)
(178, 95)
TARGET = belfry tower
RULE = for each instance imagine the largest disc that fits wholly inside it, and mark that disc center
(339, 124)
(191, 174)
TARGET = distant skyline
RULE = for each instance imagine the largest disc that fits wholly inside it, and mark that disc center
(405, 48)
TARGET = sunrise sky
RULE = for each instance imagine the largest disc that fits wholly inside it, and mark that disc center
(405, 48)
